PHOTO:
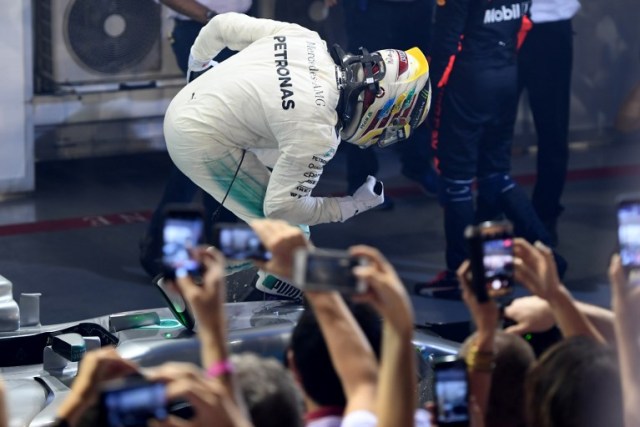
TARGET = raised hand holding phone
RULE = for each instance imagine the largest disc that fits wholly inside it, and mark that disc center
(492, 260)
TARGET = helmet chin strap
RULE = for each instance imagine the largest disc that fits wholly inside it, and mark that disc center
(350, 85)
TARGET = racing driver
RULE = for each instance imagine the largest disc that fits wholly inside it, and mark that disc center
(256, 130)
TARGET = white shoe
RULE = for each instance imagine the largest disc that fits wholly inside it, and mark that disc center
(271, 285)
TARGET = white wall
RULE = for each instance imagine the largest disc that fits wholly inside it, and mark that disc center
(16, 130)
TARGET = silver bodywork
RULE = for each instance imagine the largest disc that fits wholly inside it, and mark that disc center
(35, 391)
(9, 311)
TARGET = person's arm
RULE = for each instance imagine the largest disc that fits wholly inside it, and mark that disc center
(626, 302)
(450, 21)
(190, 8)
(536, 270)
(350, 351)
(298, 171)
(533, 314)
(481, 355)
(236, 31)
(601, 318)
(397, 386)
(211, 403)
(207, 301)
(95, 368)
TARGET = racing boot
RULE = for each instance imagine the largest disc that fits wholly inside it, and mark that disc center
(272, 285)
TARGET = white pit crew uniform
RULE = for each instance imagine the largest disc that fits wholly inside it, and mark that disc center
(275, 101)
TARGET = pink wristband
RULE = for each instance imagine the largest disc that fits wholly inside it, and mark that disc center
(217, 369)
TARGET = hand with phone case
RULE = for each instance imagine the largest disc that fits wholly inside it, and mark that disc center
(97, 367)
(491, 257)
(171, 395)
(451, 392)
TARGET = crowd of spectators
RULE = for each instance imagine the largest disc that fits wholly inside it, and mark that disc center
(351, 360)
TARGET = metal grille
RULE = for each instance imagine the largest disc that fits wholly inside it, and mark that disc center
(112, 36)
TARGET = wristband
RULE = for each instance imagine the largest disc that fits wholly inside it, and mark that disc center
(217, 369)
(479, 361)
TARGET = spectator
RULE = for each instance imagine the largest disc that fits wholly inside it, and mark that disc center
(545, 62)
(189, 16)
(391, 401)
(308, 358)
(258, 140)
(267, 388)
(575, 383)
(513, 357)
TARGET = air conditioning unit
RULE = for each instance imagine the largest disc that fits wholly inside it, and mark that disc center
(94, 42)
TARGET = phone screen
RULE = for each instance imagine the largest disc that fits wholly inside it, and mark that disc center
(181, 233)
(240, 243)
(324, 270)
(629, 238)
(134, 406)
(498, 265)
(451, 391)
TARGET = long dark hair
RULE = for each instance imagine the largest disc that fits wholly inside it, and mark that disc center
(576, 383)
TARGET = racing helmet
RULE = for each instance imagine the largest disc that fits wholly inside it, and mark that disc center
(385, 94)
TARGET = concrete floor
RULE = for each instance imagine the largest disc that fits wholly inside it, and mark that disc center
(75, 239)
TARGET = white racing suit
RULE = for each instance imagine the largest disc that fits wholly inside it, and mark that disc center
(268, 114)
(275, 101)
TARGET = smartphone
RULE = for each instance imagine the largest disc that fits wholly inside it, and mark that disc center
(326, 270)
(628, 213)
(182, 231)
(132, 402)
(491, 257)
(239, 242)
(451, 391)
